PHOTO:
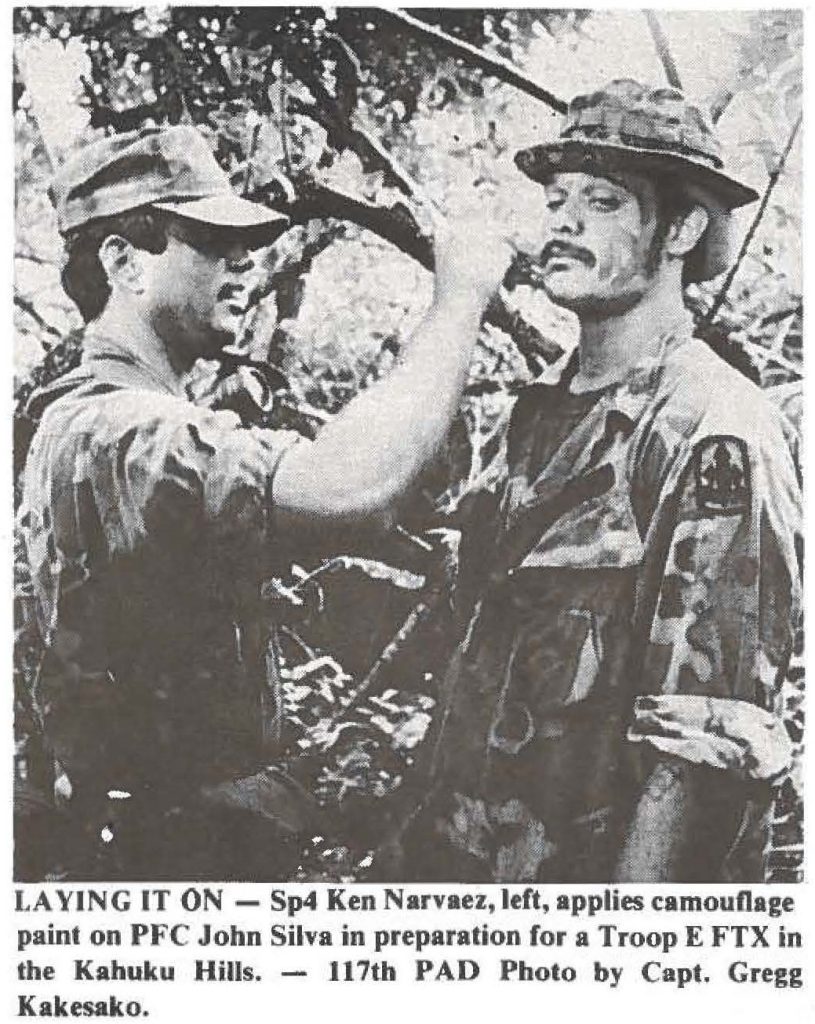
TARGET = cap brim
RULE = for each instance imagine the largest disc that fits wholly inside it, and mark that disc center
(541, 162)
(228, 211)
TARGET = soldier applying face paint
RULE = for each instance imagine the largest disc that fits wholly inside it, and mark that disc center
(149, 524)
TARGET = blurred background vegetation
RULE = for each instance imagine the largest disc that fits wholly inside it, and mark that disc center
(366, 125)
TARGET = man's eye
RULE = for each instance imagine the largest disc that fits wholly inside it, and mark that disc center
(241, 265)
(605, 203)
(554, 203)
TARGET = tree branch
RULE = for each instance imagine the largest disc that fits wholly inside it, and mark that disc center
(32, 257)
(28, 307)
(344, 128)
(283, 126)
(395, 223)
(720, 102)
(663, 49)
(302, 264)
(498, 67)
(287, 281)
(420, 614)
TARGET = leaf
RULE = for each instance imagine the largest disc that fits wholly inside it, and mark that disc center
(520, 861)
(383, 723)
(324, 663)
(468, 827)
(411, 732)
(376, 570)
(272, 794)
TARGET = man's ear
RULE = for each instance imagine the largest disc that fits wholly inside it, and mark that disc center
(685, 233)
(121, 263)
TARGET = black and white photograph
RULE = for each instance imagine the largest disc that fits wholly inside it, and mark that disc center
(407, 445)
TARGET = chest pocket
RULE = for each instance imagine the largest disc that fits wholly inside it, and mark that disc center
(601, 533)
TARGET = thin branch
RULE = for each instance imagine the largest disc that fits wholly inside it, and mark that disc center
(302, 265)
(284, 130)
(775, 352)
(345, 130)
(782, 314)
(498, 67)
(295, 638)
(748, 238)
(272, 695)
(663, 49)
(287, 280)
(720, 102)
(32, 257)
(250, 158)
(352, 135)
(393, 223)
(376, 676)
(406, 182)
(28, 307)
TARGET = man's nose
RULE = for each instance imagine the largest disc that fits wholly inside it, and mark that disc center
(568, 219)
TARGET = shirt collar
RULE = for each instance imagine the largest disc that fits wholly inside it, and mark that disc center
(637, 386)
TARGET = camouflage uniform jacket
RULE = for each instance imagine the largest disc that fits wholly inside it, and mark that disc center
(653, 609)
(146, 522)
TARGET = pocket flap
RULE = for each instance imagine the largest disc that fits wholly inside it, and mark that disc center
(599, 533)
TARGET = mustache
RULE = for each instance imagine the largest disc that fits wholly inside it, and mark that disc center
(559, 248)
(238, 297)
(231, 291)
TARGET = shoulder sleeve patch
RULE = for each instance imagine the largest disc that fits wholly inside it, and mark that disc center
(721, 469)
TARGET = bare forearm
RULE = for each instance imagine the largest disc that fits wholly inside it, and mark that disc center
(370, 453)
(374, 450)
(364, 460)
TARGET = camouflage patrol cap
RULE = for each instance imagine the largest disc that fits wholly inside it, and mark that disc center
(626, 125)
(169, 168)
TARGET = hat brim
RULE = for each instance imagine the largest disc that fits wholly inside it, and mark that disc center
(542, 161)
(229, 211)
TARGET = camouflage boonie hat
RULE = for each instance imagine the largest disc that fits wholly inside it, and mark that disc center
(628, 125)
(169, 168)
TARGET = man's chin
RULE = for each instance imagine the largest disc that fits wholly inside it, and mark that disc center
(591, 306)
(567, 294)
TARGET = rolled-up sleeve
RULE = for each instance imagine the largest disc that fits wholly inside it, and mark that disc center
(722, 598)
(183, 463)
(115, 471)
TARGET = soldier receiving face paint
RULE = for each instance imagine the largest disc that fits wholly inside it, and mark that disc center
(612, 712)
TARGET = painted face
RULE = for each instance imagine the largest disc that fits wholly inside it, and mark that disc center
(201, 288)
(597, 257)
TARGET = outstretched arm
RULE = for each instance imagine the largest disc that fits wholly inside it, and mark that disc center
(366, 458)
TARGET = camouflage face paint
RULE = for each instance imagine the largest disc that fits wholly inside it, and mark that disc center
(597, 249)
